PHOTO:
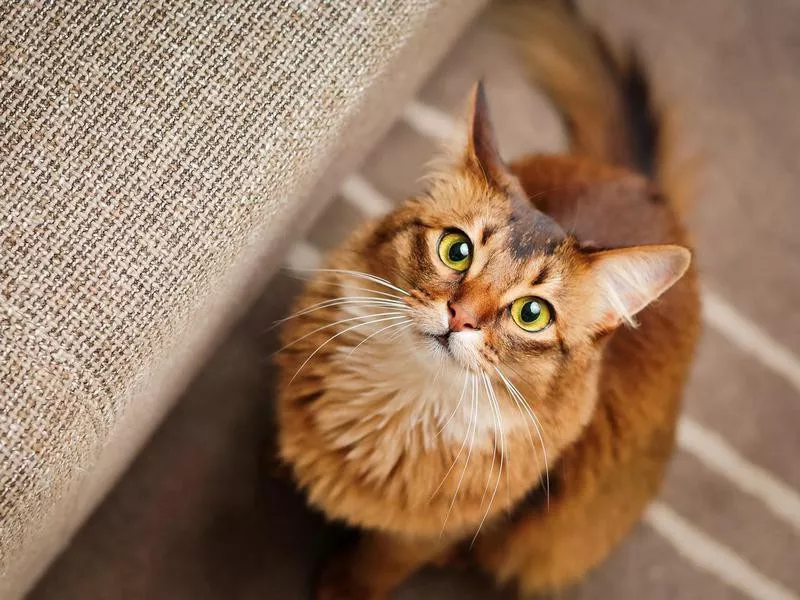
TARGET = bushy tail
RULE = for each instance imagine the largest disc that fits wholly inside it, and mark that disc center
(605, 99)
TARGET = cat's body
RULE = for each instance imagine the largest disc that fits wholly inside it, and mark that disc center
(421, 406)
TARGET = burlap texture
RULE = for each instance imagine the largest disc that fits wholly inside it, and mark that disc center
(150, 154)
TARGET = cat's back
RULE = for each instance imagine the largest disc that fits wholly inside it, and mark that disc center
(601, 205)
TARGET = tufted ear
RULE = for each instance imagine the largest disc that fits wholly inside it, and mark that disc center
(481, 153)
(629, 279)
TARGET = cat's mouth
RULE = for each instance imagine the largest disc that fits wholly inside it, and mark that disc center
(443, 340)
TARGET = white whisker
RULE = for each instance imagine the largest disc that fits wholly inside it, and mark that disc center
(333, 337)
(499, 420)
(329, 325)
(360, 275)
(396, 334)
(464, 443)
(494, 451)
(372, 335)
(503, 457)
(458, 405)
(438, 371)
(346, 286)
(473, 425)
(536, 424)
(340, 301)
(527, 429)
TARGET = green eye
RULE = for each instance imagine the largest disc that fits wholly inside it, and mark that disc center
(531, 313)
(455, 250)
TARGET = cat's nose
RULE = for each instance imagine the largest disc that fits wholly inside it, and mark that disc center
(461, 317)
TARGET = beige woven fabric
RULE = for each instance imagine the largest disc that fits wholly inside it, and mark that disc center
(145, 148)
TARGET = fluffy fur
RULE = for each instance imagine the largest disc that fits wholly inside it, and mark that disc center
(529, 453)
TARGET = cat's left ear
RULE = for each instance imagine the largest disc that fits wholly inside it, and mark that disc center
(629, 279)
(481, 153)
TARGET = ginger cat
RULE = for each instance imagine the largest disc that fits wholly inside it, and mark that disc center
(485, 373)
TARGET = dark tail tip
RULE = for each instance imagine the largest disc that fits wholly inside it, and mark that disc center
(644, 128)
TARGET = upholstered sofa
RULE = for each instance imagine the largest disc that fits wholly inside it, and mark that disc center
(156, 159)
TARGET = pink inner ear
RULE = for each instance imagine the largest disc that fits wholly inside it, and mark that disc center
(631, 278)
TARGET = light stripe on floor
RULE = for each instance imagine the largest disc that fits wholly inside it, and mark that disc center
(719, 456)
(359, 193)
(303, 256)
(709, 555)
(432, 123)
(750, 338)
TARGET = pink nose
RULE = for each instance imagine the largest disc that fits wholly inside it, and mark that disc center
(460, 317)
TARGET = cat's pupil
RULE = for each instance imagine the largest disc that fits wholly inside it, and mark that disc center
(458, 252)
(530, 311)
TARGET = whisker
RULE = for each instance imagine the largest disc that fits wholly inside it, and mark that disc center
(466, 436)
(372, 335)
(499, 420)
(527, 429)
(360, 275)
(343, 300)
(503, 457)
(329, 325)
(473, 425)
(438, 371)
(345, 286)
(333, 337)
(397, 333)
(494, 451)
(536, 425)
(453, 414)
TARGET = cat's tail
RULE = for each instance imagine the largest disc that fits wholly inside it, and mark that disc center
(604, 98)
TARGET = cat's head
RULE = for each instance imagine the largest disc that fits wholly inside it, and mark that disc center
(494, 282)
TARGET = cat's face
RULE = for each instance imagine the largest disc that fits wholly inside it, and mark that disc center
(493, 283)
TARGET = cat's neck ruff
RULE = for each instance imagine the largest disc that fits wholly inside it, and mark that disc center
(430, 395)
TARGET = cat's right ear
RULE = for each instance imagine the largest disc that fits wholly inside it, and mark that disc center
(628, 279)
(482, 155)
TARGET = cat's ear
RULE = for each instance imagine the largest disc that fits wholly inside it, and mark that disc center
(629, 279)
(481, 153)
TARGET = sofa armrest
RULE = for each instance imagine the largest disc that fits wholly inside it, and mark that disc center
(156, 160)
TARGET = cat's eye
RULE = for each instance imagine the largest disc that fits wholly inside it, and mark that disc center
(455, 250)
(531, 313)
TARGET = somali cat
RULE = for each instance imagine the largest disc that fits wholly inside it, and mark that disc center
(485, 375)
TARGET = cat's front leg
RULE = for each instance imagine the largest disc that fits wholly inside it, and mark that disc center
(377, 564)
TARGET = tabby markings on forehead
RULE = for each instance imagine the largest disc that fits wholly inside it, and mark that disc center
(488, 232)
(531, 230)
(542, 276)
(387, 232)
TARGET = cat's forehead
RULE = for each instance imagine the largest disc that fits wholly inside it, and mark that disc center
(517, 227)
(530, 231)
(523, 227)
(517, 246)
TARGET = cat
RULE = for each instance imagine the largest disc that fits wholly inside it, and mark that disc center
(492, 373)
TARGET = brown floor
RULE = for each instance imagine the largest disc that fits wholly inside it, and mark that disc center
(201, 514)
